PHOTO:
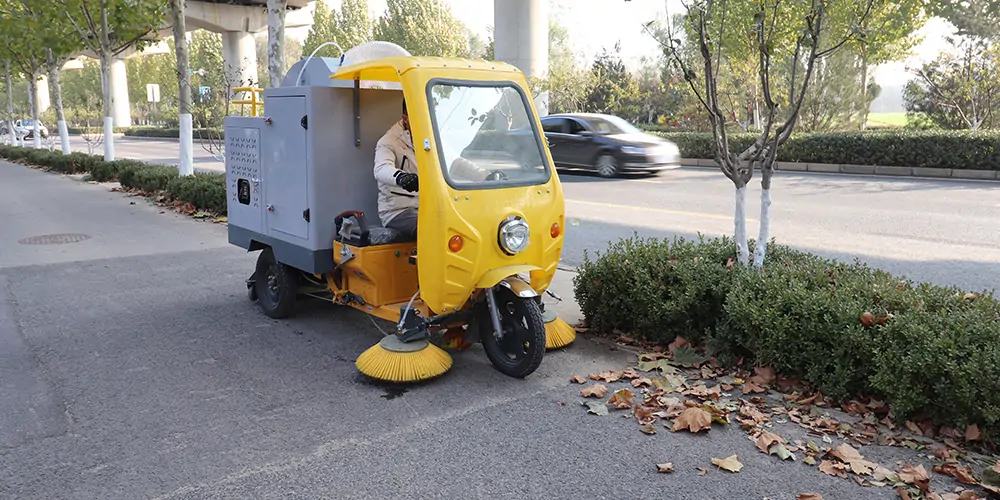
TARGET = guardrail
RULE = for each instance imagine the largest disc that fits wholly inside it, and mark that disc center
(254, 101)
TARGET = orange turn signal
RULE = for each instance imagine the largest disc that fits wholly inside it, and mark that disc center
(555, 231)
(455, 243)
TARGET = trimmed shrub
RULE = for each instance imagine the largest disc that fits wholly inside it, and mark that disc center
(174, 133)
(206, 191)
(932, 351)
(149, 178)
(106, 171)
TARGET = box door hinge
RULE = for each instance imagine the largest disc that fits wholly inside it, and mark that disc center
(305, 122)
(305, 214)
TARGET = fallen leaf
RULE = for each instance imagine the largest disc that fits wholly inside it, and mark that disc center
(642, 381)
(694, 419)
(596, 407)
(766, 440)
(668, 383)
(972, 433)
(647, 428)
(730, 463)
(622, 399)
(220, 220)
(594, 391)
(608, 377)
(643, 414)
(960, 472)
(832, 468)
(764, 375)
(666, 468)
(808, 496)
(847, 454)
(201, 215)
(625, 339)
(916, 475)
(903, 495)
(809, 460)
(677, 343)
(781, 451)
(686, 356)
(751, 388)
(663, 365)
(577, 379)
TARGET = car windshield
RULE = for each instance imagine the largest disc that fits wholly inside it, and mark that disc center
(27, 122)
(486, 136)
(612, 125)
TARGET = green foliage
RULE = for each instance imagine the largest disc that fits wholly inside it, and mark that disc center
(423, 27)
(929, 349)
(206, 191)
(976, 150)
(349, 26)
(976, 18)
(614, 90)
(958, 90)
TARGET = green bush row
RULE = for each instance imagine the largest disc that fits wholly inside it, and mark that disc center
(976, 150)
(198, 133)
(206, 191)
(931, 351)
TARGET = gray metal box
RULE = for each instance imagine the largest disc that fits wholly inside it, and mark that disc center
(290, 172)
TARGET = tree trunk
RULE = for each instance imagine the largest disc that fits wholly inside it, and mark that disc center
(760, 247)
(740, 221)
(186, 163)
(864, 88)
(36, 134)
(55, 72)
(10, 105)
(276, 41)
(106, 55)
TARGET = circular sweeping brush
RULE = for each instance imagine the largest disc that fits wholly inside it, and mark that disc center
(392, 360)
(558, 333)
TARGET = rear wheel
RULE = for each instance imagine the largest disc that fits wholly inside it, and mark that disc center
(607, 165)
(276, 285)
(520, 351)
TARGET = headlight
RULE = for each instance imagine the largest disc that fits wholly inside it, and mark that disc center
(633, 150)
(514, 235)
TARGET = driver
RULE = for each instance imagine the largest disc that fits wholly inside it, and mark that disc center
(396, 173)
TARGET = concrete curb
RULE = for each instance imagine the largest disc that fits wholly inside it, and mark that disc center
(876, 170)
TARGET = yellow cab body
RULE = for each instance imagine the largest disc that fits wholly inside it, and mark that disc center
(483, 112)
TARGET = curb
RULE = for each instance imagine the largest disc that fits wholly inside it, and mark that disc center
(872, 170)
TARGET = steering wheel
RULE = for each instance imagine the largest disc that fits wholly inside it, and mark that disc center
(496, 175)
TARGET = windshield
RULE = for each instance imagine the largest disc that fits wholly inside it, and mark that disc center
(486, 136)
(612, 125)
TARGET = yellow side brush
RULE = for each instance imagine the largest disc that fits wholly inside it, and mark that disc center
(558, 333)
(392, 360)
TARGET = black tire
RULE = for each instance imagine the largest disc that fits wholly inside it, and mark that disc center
(276, 286)
(523, 347)
(607, 165)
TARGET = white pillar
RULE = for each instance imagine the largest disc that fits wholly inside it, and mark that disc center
(120, 111)
(239, 53)
(42, 94)
(521, 38)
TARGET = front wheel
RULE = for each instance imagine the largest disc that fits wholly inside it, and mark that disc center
(519, 352)
(607, 166)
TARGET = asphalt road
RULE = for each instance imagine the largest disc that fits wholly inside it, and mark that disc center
(133, 366)
(943, 231)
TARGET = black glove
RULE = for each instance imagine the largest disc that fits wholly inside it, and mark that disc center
(406, 180)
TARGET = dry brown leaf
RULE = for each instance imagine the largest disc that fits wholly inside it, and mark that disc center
(642, 381)
(694, 419)
(808, 496)
(809, 460)
(960, 472)
(577, 379)
(833, 468)
(608, 376)
(972, 433)
(764, 375)
(730, 463)
(678, 342)
(766, 439)
(751, 387)
(903, 495)
(594, 391)
(647, 428)
(666, 468)
(622, 399)
(917, 476)
(644, 414)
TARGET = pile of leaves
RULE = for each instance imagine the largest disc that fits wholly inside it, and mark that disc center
(678, 389)
(204, 193)
(850, 331)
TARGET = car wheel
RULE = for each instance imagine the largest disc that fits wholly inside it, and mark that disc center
(607, 165)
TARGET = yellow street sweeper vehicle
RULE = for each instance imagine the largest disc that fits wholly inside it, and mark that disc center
(490, 223)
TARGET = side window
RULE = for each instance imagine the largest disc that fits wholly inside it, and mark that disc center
(553, 125)
(576, 127)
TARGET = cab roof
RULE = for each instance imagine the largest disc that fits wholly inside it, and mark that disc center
(389, 69)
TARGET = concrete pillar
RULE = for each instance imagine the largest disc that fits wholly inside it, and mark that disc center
(120, 110)
(239, 51)
(521, 38)
(42, 94)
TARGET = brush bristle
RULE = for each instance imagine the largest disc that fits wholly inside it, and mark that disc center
(380, 363)
(558, 334)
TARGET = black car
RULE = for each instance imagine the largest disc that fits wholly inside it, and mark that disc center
(607, 144)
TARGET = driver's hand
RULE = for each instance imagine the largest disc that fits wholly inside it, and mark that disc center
(407, 180)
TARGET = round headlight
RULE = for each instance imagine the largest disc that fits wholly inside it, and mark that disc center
(514, 235)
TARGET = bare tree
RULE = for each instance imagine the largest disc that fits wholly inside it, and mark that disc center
(791, 28)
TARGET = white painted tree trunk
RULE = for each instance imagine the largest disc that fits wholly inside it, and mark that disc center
(55, 82)
(276, 41)
(760, 247)
(186, 160)
(740, 226)
(109, 121)
(10, 105)
(36, 134)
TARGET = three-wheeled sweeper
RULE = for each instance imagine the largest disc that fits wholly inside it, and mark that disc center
(302, 191)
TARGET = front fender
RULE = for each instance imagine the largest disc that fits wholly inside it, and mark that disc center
(495, 276)
(519, 287)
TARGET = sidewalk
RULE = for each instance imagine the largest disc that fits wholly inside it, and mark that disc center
(562, 285)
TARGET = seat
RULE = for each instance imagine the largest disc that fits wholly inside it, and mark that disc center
(353, 228)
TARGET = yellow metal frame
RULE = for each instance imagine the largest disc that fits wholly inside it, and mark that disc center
(254, 100)
(447, 278)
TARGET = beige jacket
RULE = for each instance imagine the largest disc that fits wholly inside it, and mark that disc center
(394, 151)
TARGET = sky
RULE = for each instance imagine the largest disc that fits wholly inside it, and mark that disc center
(596, 24)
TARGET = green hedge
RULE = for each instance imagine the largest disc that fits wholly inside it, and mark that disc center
(198, 133)
(205, 191)
(977, 150)
(932, 351)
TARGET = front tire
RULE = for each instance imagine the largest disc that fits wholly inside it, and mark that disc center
(276, 286)
(607, 165)
(522, 348)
